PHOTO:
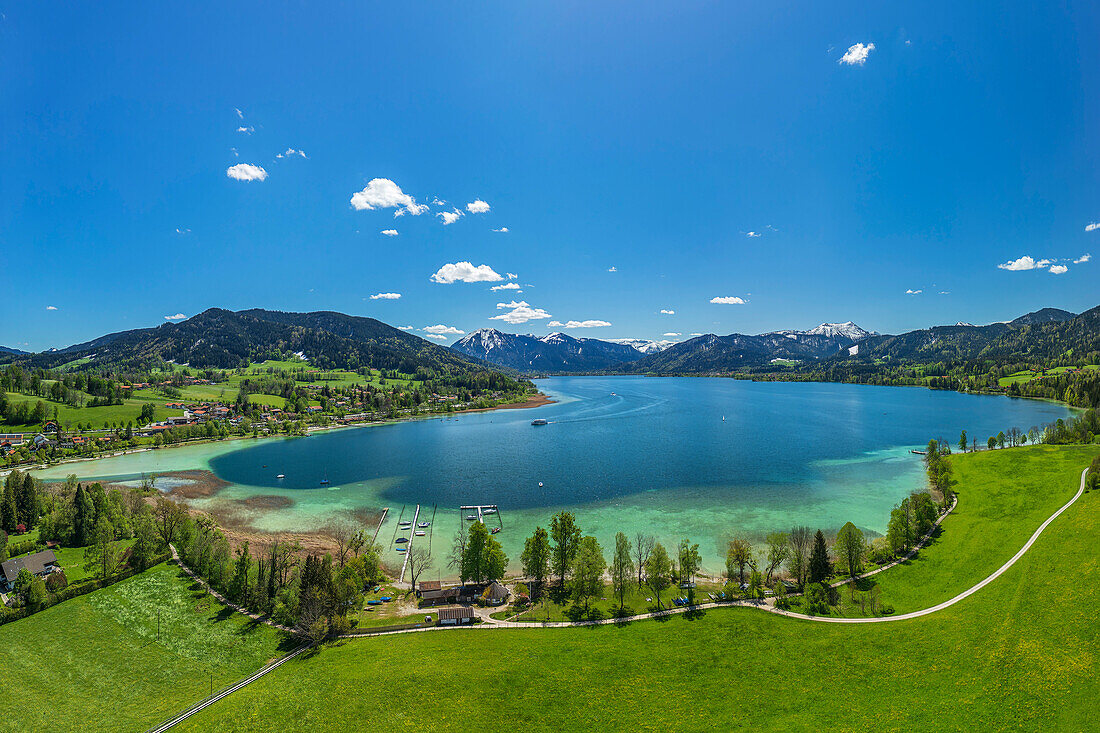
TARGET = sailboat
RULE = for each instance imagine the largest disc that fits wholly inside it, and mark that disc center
(324, 481)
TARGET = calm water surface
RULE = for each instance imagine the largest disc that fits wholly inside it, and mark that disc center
(698, 458)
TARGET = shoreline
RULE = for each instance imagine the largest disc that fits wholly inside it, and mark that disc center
(536, 400)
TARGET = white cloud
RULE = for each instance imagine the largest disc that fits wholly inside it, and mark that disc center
(1058, 269)
(665, 312)
(290, 152)
(502, 230)
(856, 55)
(1082, 259)
(752, 235)
(235, 153)
(182, 231)
(449, 217)
(439, 329)
(612, 269)
(382, 193)
(586, 324)
(477, 207)
(553, 324)
(519, 311)
(390, 232)
(385, 296)
(1092, 227)
(177, 317)
(511, 275)
(671, 333)
(405, 328)
(436, 336)
(51, 307)
(945, 292)
(913, 292)
(239, 113)
(246, 130)
(696, 334)
(728, 300)
(436, 201)
(465, 272)
(1024, 263)
(246, 172)
(506, 286)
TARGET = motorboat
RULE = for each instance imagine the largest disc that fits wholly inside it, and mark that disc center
(401, 540)
(471, 517)
(488, 511)
(494, 530)
(281, 476)
(422, 525)
(419, 533)
(540, 421)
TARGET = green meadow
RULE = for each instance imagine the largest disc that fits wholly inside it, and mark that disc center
(96, 663)
(1021, 654)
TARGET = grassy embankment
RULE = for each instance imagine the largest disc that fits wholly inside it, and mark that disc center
(1028, 375)
(1003, 498)
(94, 662)
(1022, 653)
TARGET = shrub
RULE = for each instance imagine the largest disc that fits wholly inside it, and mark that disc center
(816, 599)
(56, 581)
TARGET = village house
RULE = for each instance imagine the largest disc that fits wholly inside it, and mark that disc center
(40, 564)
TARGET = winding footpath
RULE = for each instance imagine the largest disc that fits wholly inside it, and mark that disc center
(491, 623)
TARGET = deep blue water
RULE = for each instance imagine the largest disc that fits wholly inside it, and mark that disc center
(778, 442)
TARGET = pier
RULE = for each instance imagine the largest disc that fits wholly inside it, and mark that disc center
(481, 510)
(409, 544)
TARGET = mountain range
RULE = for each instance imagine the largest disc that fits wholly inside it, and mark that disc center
(555, 352)
(7, 350)
(223, 339)
(558, 352)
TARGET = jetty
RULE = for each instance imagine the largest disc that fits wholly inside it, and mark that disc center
(482, 510)
(408, 547)
(382, 519)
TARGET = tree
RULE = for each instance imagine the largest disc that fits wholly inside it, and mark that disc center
(587, 570)
(798, 557)
(643, 546)
(484, 558)
(850, 548)
(738, 555)
(756, 586)
(143, 551)
(419, 560)
(566, 536)
(899, 531)
(458, 548)
(991, 443)
(820, 569)
(778, 548)
(536, 558)
(962, 442)
(100, 556)
(169, 516)
(238, 586)
(348, 537)
(658, 571)
(622, 567)
(689, 565)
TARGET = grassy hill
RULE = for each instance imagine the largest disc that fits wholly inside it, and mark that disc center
(223, 339)
(1021, 653)
(95, 663)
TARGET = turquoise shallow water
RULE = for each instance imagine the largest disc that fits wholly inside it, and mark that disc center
(625, 453)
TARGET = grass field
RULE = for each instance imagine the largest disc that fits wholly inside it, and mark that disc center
(129, 410)
(1002, 500)
(1022, 653)
(94, 662)
(1028, 375)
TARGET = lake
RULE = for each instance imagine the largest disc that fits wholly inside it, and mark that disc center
(697, 458)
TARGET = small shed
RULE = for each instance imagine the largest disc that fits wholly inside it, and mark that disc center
(455, 615)
(433, 591)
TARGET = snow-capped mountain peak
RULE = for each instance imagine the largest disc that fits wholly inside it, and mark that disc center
(846, 329)
(644, 346)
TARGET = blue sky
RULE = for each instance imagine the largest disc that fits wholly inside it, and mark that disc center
(650, 138)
